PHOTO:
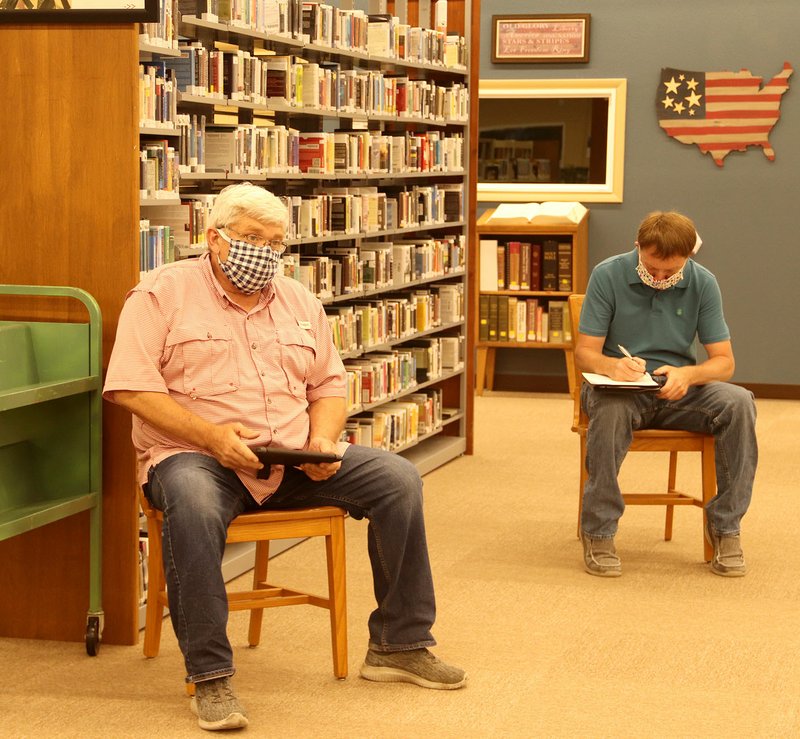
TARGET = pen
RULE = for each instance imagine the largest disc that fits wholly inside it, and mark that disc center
(627, 353)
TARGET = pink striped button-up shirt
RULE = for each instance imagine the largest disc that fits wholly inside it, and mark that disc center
(179, 334)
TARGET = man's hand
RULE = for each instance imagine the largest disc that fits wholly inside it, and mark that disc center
(324, 470)
(679, 380)
(227, 446)
(627, 369)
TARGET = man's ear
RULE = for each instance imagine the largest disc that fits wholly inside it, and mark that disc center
(212, 240)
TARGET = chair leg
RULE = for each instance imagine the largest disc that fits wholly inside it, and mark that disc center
(259, 582)
(491, 356)
(671, 481)
(154, 612)
(480, 375)
(337, 594)
(709, 472)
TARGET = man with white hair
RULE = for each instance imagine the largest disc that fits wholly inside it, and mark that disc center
(213, 355)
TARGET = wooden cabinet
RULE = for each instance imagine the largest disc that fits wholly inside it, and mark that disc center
(562, 246)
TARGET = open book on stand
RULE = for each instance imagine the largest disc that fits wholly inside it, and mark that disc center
(540, 212)
(646, 383)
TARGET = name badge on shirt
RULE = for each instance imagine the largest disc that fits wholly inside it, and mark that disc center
(304, 324)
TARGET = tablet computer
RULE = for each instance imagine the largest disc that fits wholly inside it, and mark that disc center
(269, 455)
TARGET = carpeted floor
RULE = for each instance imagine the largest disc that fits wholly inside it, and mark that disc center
(667, 650)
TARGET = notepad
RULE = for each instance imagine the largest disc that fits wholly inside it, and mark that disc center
(644, 384)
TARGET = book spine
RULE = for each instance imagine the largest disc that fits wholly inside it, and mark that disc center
(550, 265)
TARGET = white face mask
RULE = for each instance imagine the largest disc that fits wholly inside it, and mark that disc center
(651, 281)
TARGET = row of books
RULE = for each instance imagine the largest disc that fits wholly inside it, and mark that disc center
(398, 423)
(156, 245)
(159, 172)
(350, 212)
(367, 210)
(327, 25)
(521, 265)
(158, 97)
(164, 31)
(388, 375)
(380, 265)
(364, 325)
(259, 150)
(229, 74)
(508, 318)
(374, 323)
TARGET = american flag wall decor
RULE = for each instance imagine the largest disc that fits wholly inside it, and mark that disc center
(720, 112)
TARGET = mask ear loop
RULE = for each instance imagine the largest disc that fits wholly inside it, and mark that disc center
(697, 244)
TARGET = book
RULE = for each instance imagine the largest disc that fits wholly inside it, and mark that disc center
(555, 324)
(493, 310)
(540, 212)
(536, 267)
(564, 266)
(513, 256)
(502, 318)
(550, 265)
(488, 264)
(524, 266)
(501, 267)
(512, 318)
(483, 318)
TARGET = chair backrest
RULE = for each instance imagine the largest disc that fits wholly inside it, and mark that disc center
(574, 374)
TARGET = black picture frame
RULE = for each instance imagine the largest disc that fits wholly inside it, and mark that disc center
(554, 38)
(59, 11)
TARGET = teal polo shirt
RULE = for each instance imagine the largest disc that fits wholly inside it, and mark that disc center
(660, 326)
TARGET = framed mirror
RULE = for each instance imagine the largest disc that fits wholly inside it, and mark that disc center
(551, 139)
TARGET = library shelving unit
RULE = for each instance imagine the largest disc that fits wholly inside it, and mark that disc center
(446, 442)
(224, 113)
(540, 230)
(50, 429)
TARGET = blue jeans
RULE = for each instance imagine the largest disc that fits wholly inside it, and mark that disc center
(200, 497)
(719, 408)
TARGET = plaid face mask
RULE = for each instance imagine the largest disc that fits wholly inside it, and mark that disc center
(250, 268)
(651, 281)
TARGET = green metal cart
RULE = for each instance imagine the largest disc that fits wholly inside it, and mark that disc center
(51, 429)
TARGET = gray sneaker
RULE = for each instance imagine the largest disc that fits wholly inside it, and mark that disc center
(416, 666)
(728, 559)
(600, 557)
(216, 706)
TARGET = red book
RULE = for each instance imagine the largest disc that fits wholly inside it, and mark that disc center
(536, 266)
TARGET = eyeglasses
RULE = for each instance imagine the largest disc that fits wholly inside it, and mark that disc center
(277, 245)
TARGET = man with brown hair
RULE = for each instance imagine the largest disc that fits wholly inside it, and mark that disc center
(642, 312)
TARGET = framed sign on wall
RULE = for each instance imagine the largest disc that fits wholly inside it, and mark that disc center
(555, 38)
(78, 11)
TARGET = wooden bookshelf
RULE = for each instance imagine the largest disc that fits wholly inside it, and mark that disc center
(519, 229)
(71, 218)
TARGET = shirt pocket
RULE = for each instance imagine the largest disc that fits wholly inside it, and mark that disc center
(298, 352)
(207, 357)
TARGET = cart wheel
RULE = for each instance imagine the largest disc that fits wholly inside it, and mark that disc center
(92, 636)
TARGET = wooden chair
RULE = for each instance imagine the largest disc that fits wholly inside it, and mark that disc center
(261, 527)
(646, 440)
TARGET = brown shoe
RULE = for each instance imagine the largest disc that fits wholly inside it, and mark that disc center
(728, 559)
(600, 557)
(416, 666)
(216, 705)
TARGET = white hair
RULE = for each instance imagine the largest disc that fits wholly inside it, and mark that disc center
(247, 199)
